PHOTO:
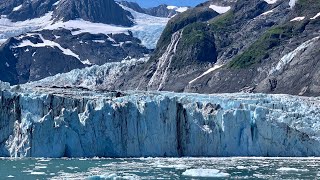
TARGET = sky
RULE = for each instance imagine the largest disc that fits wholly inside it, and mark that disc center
(153, 3)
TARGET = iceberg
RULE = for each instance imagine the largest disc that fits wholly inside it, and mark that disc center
(60, 122)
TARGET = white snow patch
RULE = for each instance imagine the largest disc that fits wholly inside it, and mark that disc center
(297, 19)
(56, 3)
(87, 62)
(220, 9)
(286, 59)
(292, 169)
(292, 3)
(182, 9)
(10, 29)
(271, 1)
(99, 41)
(147, 28)
(316, 16)
(17, 8)
(178, 9)
(267, 12)
(47, 43)
(83, 26)
(215, 67)
(172, 7)
(211, 173)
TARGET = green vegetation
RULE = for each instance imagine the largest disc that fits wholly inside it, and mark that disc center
(182, 20)
(260, 50)
(221, 23)
(194, 33)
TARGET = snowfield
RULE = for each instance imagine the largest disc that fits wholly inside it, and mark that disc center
(147, 28)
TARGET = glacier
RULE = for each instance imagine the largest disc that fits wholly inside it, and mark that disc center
(72, 122)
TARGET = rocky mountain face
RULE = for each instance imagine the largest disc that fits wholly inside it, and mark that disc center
(34, 56)
(101, 11)
(52, 46)
(19, 10)
(253, 46)
(231, 46)
(275, 50)
(162, 10)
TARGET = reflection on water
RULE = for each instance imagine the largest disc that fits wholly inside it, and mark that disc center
(161, 168)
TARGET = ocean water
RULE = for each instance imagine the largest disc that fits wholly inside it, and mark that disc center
(161, 168)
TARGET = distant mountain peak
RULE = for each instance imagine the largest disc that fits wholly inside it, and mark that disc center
(99, 11)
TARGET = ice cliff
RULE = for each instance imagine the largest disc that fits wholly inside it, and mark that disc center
(76, 123)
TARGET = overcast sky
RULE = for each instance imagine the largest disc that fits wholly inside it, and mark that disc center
(153, 3)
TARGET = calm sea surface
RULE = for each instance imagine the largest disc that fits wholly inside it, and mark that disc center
(161, 168)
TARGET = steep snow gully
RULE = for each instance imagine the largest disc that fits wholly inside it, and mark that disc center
(76, 123)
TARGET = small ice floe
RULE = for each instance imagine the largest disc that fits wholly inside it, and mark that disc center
(241, 167)
(291, 169)
(37, 173)
(205, 173)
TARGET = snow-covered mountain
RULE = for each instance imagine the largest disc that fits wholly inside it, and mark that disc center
(231, 46)
(58, 40)
(162, 10)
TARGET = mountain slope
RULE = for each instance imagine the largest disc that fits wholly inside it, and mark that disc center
(54, 43)
(101, 11)
(98, 11)
(232, 46)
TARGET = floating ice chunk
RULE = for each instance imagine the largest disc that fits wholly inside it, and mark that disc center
(205, 173)
(241, 167)
(37, 173)
(220, 9)
(291, 169)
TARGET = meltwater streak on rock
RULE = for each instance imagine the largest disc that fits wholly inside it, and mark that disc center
(74, 123)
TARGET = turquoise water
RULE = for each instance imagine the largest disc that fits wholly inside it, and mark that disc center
(161, 168)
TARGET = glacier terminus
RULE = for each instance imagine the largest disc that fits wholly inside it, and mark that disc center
(60, 122)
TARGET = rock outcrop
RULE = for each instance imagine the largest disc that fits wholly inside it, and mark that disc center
(99, 11)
